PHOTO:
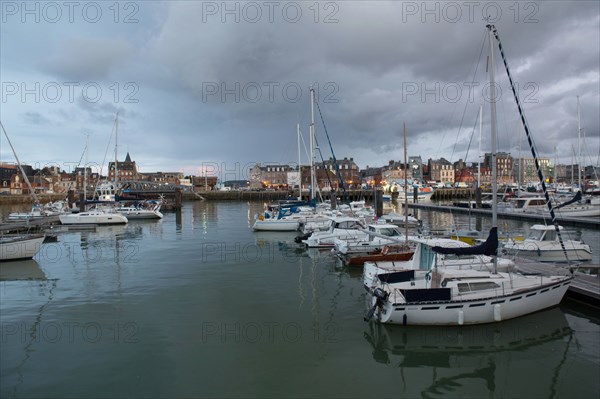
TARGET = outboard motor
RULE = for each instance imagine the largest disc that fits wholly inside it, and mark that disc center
(301, 238)
(381, 296)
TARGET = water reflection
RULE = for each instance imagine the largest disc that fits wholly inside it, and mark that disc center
(491, 353)
(21, 270)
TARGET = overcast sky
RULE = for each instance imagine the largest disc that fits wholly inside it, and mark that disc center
(223, 84)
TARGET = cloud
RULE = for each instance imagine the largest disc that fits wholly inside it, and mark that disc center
(88, 58)
(213, 88)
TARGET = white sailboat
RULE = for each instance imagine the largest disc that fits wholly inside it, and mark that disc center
(93, 216)
(449, 296)
(20, 246)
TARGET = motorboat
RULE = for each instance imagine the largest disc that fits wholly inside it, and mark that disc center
(141, 210)
(341, 228)
(543, 245)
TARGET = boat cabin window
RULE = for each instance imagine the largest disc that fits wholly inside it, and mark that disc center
(427, 258)
(537, 235)
(456, 257)
(480, 286)
(349, 224)
(390, 232)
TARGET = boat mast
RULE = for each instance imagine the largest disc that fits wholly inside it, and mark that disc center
(479, 154)
(87, 143)
(405, 191)
(313, 154)
(116, 154)
(538, 168)
(299, 167)
(579, 145)
(494, 138)
(520, 158)
(35, 198)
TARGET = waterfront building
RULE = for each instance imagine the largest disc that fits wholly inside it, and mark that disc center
(441, 170)
(347, 167)
(504, 167)
(371, 177)
(126, 170)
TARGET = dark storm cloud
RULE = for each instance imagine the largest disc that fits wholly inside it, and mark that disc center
(226, 90)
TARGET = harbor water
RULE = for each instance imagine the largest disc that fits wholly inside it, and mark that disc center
(199, 305)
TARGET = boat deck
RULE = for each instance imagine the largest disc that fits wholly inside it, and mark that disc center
(584, 288)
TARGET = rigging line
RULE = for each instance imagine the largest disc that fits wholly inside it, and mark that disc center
(324, 168)
(462, 119)
(337, 167)
(78, 164)
(476, 62)
(471, 139)
(104, 160)
(35, 198)
(530, 140)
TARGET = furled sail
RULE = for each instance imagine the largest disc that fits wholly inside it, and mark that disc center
(576, 198)
(489, 247)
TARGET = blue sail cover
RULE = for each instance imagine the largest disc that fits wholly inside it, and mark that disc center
(489, 247)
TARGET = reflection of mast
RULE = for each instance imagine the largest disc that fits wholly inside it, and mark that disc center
(33, 334)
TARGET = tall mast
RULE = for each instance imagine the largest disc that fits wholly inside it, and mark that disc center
(313, 179)
(494, 138)
(521, 128)
(479, 154)
(116, 151)
(87, 143)
(299, 167)
(579, 145)
(405, 190)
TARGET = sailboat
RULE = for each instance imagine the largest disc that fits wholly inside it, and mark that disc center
(92, 216)
(450, 296)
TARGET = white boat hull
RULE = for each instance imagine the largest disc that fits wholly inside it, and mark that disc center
(477, 311)
(553, 255)
(276, 225)
(20, 247)
(140, 214)
(95, 218)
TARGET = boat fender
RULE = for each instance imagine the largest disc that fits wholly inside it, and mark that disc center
(461, 318)
(497, 312)
(404, 319)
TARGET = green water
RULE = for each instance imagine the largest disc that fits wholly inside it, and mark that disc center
(197, 305)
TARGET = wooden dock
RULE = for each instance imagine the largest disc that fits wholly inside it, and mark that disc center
(29, 225)
(593, 223)
(584, 288)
